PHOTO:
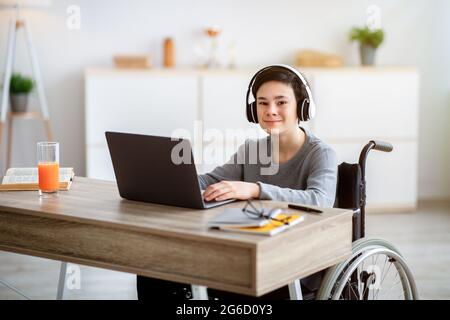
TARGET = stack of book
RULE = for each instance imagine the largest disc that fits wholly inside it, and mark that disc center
(236, 220)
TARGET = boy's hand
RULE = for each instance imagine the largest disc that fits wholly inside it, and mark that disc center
(225, 190)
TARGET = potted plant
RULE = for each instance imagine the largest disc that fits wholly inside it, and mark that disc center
(19, 88)
(369, 40)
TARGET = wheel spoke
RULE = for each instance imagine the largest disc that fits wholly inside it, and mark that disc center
(349, 285)
(376, 260)
(384, 277)
(365, 289)
(394, 283)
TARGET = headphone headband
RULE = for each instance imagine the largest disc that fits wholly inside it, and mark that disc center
(310, 107)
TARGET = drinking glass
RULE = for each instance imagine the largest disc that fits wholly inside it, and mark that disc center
(48, 168)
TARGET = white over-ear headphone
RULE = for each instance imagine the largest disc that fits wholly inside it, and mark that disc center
(306, 111)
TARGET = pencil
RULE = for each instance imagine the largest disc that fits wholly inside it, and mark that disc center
(302, 208)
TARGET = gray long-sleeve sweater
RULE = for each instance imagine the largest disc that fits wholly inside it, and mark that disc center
(309, 177)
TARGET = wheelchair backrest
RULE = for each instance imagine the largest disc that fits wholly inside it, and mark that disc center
(348, 194)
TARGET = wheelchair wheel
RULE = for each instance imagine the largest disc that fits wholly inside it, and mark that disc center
(375, 271)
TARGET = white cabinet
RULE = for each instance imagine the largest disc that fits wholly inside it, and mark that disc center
(224, 101)
(140, 102)
(136, 102)
(225, 124)
(365, 104)
(98, 163)
(354, 105)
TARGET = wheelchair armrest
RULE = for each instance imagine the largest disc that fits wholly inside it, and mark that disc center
(356, 224)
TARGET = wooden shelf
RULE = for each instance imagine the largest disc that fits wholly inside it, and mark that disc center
(26, 115)
(158, 71)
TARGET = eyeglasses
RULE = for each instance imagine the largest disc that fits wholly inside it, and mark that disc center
(255, 210)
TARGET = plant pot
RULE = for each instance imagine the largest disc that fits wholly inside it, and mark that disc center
(19, 102)
(367, 53)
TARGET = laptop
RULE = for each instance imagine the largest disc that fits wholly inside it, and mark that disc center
(145, 171)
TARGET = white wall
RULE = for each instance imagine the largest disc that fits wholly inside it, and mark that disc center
(417, 34)
(434, 140)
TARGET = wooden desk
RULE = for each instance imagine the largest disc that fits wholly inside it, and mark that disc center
(92, 225)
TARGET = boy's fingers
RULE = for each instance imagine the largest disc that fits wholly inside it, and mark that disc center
(225, 196)
(213, 188)
(217, 193)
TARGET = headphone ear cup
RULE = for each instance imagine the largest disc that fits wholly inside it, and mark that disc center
(303, 112)
(254, 112)
(306, 110)
(248, 112)
(251, 113)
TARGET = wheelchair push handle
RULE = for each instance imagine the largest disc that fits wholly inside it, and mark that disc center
(382, 146)
(375, 145)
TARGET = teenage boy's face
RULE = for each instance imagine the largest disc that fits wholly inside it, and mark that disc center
(276, 107)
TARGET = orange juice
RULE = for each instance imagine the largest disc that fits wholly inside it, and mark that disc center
(48, 176)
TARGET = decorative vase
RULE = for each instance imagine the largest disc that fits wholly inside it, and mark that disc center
(367, 53)
(19, 102)
(169, 53)
(213, 33)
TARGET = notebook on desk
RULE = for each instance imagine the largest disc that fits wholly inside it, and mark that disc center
(237, 217)
(271, 228)
(145, 171)
(271, 222)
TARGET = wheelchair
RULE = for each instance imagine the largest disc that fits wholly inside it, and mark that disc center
(375, 270)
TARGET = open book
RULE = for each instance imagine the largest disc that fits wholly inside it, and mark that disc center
(27, 179)
(236, 220)
(272, 227)
(236, 217)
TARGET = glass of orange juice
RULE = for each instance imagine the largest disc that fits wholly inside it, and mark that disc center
(48, 168)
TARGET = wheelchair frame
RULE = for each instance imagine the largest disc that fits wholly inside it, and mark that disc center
(360, 208)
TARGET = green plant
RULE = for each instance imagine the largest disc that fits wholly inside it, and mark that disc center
(366, 36)
(20, 84)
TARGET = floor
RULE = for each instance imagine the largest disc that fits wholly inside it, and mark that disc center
(423, 237)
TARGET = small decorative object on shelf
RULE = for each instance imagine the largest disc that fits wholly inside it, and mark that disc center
(213, 33)
(314, 58)
(132, 62)
(169, 53)
(201, 56)
(19, 89)
(232, 55)
(369, 40)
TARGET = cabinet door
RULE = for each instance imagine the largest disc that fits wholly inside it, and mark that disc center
(99, 164)
(391, 177)
(366, 104)
(139, 102)
(215, 154)
(223, 105)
